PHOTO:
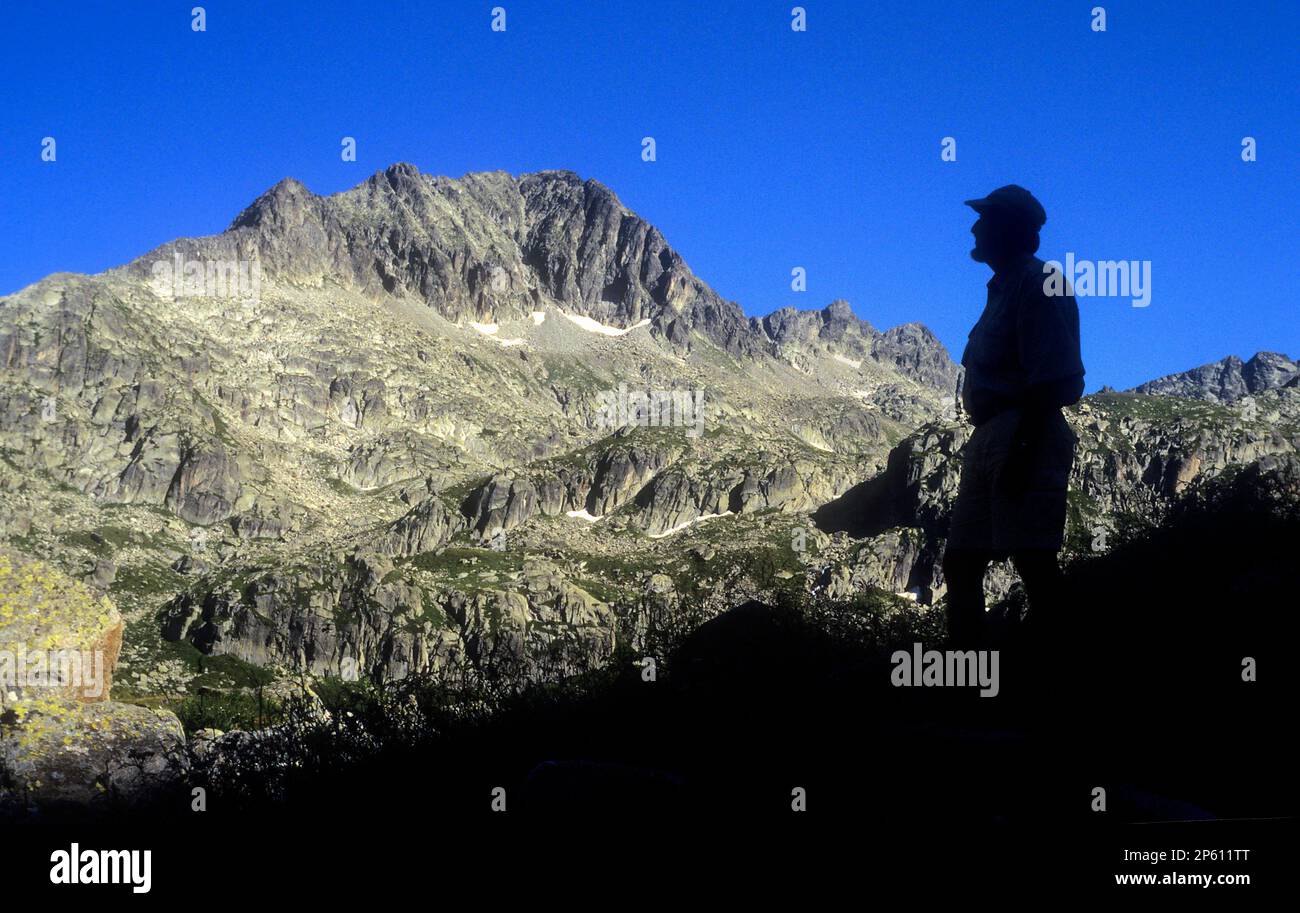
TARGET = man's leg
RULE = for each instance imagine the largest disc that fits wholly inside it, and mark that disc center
(1045, 587)
(968, 552)
(1035, 528)
(963, 570)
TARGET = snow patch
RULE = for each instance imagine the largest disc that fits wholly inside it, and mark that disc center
(682, 526)
(539, 317)
(490, 330)
(595, 326)
(844, 360)
(583, 514)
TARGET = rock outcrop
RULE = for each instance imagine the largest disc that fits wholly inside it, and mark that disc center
(366, 617)
(61, 739)
(46, 617)
(55, 752)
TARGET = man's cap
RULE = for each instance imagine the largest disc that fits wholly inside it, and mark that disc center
(1013, 199)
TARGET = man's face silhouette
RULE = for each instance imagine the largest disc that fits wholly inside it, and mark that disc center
(998, 238)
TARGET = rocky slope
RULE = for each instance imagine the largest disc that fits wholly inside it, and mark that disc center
(495, 425)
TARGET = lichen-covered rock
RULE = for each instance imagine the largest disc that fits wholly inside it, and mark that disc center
(203, 743)
(61, 739)
(57, 638)
(61, 751)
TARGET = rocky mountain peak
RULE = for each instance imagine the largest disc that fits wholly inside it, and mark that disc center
(1228, 379)
(791, 325)
(283, 202)
(403, 171)
(838, 310)
(910, 348)
(1266, 370)
(482, 247)
(913, 349)
(490, 247)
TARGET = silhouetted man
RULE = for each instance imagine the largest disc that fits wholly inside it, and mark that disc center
(1022, 365)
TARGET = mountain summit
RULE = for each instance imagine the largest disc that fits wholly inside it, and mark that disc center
(489, 248)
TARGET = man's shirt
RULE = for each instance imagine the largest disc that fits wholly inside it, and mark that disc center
(1024, 339)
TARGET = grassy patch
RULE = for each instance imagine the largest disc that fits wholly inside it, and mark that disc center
(146, 584)
(456, 560)
(571, 373)
(227, 711)
(1160, 409)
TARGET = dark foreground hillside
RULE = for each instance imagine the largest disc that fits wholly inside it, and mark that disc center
(1143, 696)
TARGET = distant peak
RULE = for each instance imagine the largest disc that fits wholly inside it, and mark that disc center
(1263, 356)
(288, 193)
(559, 174)
(401, 177)
(839, 309)
(1227, 379)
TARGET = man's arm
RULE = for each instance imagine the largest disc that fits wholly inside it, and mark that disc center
(1048, 342)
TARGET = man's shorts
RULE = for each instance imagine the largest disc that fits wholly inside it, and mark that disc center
(988, 517)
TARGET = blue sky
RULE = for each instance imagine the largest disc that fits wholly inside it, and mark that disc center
(776, 149)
